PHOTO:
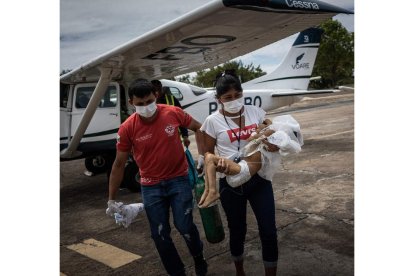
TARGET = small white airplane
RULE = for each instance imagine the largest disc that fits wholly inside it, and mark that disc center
(93, 97)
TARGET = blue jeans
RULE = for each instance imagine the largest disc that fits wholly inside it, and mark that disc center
(259, 193)
(158, 198)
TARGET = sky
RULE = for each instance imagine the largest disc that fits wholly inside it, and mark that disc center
(91, 28)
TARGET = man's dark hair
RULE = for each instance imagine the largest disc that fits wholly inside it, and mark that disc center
(157, 85)
(140, 88)
(226, 81)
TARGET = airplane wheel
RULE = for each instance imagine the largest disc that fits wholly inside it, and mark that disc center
(132, 178)
(98, 164)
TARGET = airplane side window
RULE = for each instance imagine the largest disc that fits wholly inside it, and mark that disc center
(110, 98)
(176, 93)
(82, 97)
(84, 94)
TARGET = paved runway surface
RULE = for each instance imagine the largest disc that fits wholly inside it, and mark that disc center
(314, 193)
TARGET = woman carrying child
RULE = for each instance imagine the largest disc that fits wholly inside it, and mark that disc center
(229, 130)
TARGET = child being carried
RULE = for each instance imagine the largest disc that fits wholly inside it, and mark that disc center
(284, 132)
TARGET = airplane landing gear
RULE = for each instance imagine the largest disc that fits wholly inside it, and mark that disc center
(99, 163)
(132, 178)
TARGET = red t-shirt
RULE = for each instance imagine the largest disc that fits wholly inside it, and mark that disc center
(156, 146)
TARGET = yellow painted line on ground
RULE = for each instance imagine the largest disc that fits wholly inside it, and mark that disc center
(105, 253)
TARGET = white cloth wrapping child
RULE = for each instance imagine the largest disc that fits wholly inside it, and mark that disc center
(287, 145)
(124, 214)
(287, 137)
(289, 140)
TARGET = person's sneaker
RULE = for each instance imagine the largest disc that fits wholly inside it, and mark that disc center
(200, 265)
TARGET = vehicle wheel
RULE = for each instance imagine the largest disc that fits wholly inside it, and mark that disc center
(99, 163)
(132, 178)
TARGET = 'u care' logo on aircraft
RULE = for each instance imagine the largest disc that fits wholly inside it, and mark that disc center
(298, 65)
(302, 4)
(299, 58)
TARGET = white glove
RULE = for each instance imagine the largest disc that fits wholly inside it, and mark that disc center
(113, 207)
(128, 213)
(200, 163)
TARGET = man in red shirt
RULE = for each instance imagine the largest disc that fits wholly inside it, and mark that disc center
(152, 136)
(165, 97)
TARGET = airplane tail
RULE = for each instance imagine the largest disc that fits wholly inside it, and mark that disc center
(296, 69)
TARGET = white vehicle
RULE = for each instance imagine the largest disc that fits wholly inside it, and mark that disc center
(93, 97)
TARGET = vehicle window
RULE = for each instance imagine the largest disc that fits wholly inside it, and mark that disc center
(111, 98)
(197, 90)
(176, 93)
(64, 94)
(83, 95)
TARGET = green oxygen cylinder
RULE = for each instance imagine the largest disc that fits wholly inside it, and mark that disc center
(213, 227)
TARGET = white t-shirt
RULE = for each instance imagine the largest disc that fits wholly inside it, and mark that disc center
(226, 140)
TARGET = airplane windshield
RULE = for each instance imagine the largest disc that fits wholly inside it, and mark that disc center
(197, 90)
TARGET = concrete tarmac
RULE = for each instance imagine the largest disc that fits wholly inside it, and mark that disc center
(314, 195)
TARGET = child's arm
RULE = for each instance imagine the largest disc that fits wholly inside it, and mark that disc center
(260, 127)
(258, 135)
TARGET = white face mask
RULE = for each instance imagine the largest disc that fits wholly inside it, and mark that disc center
(234, 106)
(146, 111)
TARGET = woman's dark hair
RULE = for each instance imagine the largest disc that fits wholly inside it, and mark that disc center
(227, 81)
(140, 88)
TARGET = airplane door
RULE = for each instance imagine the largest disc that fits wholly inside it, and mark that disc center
(107, 118)
(64, 114)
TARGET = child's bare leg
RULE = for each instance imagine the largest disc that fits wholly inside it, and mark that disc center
(211, 162)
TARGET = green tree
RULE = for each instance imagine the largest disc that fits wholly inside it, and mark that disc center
(206, 78)
(184, 78)
(335, 60)
(64, 71)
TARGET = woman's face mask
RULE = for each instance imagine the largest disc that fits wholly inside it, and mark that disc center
(234, 106)
(147, 110)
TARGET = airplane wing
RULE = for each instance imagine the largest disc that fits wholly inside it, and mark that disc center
(210, 35)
